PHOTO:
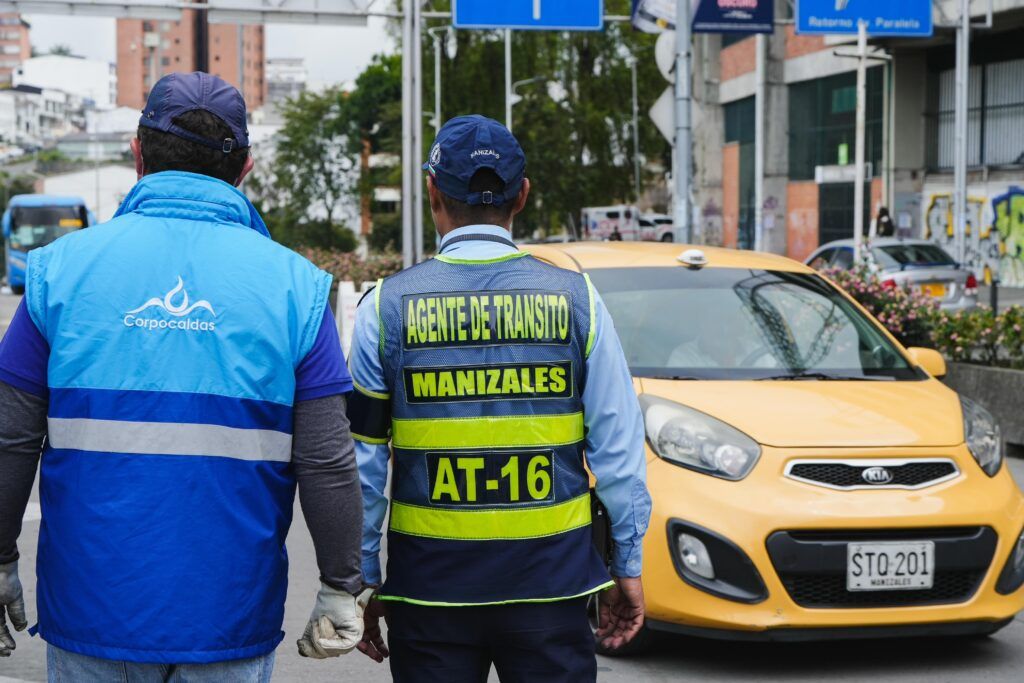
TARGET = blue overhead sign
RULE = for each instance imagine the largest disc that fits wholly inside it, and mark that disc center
(536, 15)
(883, 17)
(734, 16)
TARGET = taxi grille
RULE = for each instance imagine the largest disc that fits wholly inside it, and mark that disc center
(850, 474)
(823, 591)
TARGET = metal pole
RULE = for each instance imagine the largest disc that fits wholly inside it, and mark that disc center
(759, 141)
(963, 38)
(858, 188)
(684, 143)
(437, 83)
(417, 116)
(508, 78)
(636, 130)
(408, 248)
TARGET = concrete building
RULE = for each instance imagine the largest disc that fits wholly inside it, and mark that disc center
(148, 50)
(116, 120)
(31, 116)
(286, 78)
(810, 109)
(15, 47)
(92, 80)
(96, 146)
(102, 187)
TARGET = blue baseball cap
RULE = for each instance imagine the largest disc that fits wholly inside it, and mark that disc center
(179, 93)
(469, 143)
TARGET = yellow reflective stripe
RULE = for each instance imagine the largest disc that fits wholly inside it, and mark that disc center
(491, 525)
(516, 431)
(431, 603)
(370, 440)
(593, 316)
(368, 392)
(470, 262)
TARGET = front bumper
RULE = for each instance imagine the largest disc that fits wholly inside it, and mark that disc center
(749, 513)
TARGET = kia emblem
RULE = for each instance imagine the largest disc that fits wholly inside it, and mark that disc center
(876, 475)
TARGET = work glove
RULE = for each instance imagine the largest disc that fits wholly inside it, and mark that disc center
(336, 625)
(13, 604)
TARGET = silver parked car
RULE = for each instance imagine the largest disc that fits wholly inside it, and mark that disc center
(917, 264)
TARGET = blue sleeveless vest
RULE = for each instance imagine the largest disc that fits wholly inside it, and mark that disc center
(166, 485)
(490, 497)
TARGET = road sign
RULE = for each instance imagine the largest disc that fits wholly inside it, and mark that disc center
(537, 15)
(883, 17)
(663, 114)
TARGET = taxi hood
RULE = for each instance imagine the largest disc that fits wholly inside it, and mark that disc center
(826, 414)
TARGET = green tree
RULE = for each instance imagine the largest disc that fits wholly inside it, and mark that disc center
(61, 49)
(313, 173)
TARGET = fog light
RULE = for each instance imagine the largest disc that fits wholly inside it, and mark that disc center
(695, 556)
(1013, 574)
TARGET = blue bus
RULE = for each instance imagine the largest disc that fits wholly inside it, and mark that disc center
(34, 220)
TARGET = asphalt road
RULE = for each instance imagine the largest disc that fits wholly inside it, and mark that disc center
(996, 659)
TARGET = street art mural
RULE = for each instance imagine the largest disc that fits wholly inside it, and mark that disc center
(998, 248)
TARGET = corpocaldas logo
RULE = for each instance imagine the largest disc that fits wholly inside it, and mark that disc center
(173, 311)
(435, 155)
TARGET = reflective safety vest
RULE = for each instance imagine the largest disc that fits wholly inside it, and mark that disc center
(490, 498)
(166, 483)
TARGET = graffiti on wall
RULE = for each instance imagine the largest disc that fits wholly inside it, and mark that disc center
(998, 248)
(1008, 210)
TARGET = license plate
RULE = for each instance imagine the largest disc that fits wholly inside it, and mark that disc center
(890, 566)
(934, 289)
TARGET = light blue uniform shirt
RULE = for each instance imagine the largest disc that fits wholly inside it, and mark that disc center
(614, 424)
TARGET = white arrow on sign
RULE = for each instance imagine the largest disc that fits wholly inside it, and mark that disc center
(536, 10)
(663, 113)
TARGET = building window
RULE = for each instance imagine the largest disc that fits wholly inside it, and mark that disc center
(995, 121)
(822, 123)
(165, 61)
(739, 129)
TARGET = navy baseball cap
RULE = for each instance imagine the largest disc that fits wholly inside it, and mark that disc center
(469, 143)
(179, 93)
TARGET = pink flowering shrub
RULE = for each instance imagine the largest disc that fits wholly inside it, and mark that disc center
(347, 266)
(908, 315)
(975, 336)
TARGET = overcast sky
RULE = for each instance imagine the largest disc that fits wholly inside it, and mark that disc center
(332, 54)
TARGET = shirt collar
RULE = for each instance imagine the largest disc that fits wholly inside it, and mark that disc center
(494, 230)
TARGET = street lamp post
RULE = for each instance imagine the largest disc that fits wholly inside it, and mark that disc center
(515, 98)
(445, 34)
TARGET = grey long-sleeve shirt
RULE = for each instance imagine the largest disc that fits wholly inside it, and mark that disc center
(323, 457)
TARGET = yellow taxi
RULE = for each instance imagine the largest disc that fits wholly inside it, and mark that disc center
(811, 477)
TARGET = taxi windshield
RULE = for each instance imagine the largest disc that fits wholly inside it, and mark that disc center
(37, 226)
(740, 324)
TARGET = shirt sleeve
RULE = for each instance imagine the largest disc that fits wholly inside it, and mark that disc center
(615, 444)
(369, 411)
(24, 355)
(323, 372)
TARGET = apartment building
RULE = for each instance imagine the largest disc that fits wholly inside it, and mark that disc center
(810, 112)
(15, 47)
(147, 50)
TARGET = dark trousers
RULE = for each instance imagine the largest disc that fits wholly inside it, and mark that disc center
(527, 643)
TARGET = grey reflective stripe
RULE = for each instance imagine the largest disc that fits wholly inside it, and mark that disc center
(169, 438)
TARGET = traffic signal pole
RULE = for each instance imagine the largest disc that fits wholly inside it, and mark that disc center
(859, 177)
(683, 215)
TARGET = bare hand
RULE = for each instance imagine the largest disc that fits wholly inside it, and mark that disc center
(11, 602)
(621, 613)
(372, 645)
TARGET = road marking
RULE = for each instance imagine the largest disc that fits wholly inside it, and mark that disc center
(5, 679)
(33, 513)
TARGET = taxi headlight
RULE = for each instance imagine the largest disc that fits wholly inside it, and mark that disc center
(984, 440)
(697, 441)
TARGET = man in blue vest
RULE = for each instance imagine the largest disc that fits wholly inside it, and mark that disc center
(490, 373)
(186, 374)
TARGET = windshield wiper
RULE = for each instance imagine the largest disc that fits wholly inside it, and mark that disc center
(679, 378)
(822, 376)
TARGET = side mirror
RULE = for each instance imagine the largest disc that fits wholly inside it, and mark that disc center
(929, 360)
(7, 224)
